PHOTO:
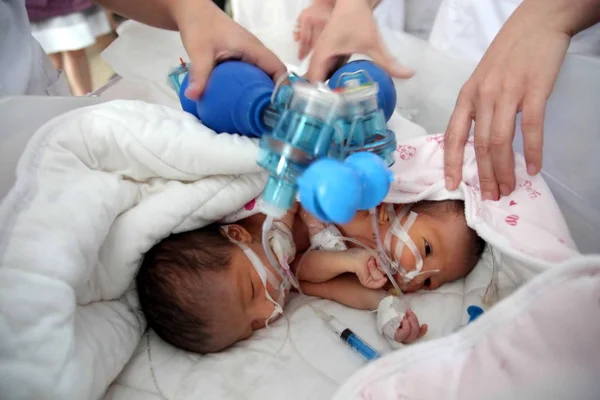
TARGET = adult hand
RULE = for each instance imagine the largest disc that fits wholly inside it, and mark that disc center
(209, 36)
(310, 24)
(351, 29)
(516, 74)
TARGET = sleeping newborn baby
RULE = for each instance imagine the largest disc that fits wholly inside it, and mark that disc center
(201, 290)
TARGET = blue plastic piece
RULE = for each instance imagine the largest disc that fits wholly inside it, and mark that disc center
(296, 141)
(303, 143)
(374, 177)
(474, 312)
(387, 91)
(330, 190)
(234, 99)
(360, 346)
(333, 191)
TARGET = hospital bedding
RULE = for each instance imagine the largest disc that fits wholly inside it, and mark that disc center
(95, 189)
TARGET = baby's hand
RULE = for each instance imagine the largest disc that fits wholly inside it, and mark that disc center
(409, 329)
(364, 264)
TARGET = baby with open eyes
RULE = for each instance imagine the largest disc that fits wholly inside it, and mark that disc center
(206, 289)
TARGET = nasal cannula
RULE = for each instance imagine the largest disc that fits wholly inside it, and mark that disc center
(348, 336)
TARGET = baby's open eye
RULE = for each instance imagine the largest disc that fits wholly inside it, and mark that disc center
(427, 248)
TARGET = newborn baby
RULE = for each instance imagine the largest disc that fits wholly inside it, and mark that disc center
(200, 291)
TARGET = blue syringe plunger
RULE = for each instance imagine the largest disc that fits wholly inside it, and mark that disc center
(354, 341)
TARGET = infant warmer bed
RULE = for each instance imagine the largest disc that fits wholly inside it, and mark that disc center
(298, 358)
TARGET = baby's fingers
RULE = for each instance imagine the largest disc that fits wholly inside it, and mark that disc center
(423, 331)
(374, 271)
(414, 327)
(377, 278)
(402, 332)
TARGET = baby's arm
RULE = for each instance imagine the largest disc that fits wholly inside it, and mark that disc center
(322, 265)
(347, 290)
(395, 324)
(322, 235)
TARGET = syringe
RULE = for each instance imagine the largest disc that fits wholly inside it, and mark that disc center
(348, 336)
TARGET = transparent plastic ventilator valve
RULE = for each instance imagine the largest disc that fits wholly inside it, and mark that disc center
(302, 135)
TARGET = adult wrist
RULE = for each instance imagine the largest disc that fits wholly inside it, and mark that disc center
(567, 16)
(181, 10)
(325, 3)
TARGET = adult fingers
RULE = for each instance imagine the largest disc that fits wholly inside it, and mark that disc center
(258, 55)
(321, 63)
(532, 125)
(382, 57)
(306, 32)
(317, 30)
(501, 139)
(455, 139)
(202, 65)
(485, 166)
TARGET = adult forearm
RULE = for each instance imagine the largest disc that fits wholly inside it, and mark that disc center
(570, 16)
(159, 13)
(332, 3)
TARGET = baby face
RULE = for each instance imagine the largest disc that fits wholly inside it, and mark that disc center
(249, 306)
(441, 243)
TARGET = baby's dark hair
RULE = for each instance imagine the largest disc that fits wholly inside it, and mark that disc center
(475, 245)
(177, 283)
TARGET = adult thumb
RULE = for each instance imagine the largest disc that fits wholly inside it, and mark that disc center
(323, 63)
(201, 68)
(385, 60)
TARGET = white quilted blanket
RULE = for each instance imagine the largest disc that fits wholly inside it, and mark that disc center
(96, 188)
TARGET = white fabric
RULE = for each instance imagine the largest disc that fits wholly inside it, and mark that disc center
(328, 238)
(464, 29)
(281, 241)
(24, 68)
(526, 225)
(96, 188)
(390, 313)
(71, 32)
(280, 16)
(540, 343)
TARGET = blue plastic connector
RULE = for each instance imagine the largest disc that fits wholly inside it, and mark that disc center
(474, 312)
(348, 76)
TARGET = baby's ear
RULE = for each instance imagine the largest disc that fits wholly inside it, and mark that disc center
(236, 232)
